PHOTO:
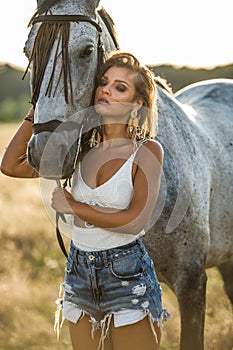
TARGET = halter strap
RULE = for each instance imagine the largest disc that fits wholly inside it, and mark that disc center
(60, 24)
(67, 18)
(55, 126)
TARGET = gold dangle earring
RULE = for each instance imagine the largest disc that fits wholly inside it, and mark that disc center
(95, 138)
(132, 123)
(138, 133)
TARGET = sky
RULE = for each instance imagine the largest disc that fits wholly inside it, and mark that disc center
(180, 32)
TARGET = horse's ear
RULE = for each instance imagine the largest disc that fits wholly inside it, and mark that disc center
(91, 5)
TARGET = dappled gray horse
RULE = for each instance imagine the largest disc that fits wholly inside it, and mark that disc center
(64, 52)
(191, 227)
(194, 226)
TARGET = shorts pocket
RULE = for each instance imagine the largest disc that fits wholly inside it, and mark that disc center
(127, 267)
(69, 265)
(155, 287)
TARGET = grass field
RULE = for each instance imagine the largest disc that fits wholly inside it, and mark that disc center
(32, 267)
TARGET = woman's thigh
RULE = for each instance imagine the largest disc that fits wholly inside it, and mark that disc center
(81, 338)
(136, 336)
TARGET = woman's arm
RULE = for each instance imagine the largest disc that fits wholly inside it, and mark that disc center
(133, 219)
(14, 162)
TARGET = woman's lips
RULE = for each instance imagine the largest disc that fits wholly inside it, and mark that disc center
(103, 101)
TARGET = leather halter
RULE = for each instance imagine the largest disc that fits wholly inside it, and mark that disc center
(55, 126)
(67, 18)
(51, 126)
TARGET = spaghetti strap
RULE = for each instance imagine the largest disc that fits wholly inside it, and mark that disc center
(138, 146)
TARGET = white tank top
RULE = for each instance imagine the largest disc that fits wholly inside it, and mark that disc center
(114, 193)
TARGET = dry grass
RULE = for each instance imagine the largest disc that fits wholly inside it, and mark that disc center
(32, 268)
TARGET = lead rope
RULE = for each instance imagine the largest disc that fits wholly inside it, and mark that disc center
(59, 319)
(61, 215)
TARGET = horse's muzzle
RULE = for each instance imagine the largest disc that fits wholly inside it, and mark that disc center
(53, 154)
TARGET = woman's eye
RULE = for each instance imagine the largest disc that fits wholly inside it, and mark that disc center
(102, 83)
(120, 88)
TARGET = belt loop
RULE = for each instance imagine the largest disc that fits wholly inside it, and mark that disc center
(142, 246)
(74, 254)
(105, 258)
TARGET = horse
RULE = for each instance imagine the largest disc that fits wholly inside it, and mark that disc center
(191, 226)
(74, 46)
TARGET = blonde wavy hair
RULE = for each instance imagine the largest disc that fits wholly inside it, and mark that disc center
(145, 87)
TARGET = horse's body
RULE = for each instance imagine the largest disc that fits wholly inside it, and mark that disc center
(194, 231)
(193, 215)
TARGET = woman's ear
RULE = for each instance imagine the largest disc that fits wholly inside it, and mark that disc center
(138, 104)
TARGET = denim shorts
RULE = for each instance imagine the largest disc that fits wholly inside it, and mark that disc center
(100, 283)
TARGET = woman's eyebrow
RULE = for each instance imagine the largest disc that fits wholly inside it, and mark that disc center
(121, 81)
(117, 80)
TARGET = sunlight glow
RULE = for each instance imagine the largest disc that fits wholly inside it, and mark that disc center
(195, 33)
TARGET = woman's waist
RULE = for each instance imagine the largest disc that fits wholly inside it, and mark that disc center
(96, 238)
(79, 255)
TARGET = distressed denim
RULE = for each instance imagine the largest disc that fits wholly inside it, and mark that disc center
(100, 283)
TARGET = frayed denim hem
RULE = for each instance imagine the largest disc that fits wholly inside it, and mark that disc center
(104, 324)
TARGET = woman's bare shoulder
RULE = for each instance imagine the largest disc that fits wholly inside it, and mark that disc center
(155, 148)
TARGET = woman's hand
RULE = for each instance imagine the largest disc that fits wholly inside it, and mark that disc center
(61, 200)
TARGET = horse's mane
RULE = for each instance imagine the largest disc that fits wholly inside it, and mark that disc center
(163, 83)
(110, 25)
(43, 44)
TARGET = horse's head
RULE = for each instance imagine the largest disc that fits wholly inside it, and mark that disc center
(67, 42)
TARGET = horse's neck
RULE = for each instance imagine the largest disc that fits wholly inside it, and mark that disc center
(107, 38)
(172, 117)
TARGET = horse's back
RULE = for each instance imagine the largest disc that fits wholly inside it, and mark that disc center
(212, 110)
(217, 90)
(212, 104)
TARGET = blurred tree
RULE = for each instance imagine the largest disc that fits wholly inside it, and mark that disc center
(181, 76)
(15, 92)
(12, 110)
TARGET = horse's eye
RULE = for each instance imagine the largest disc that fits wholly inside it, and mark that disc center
(87, 51)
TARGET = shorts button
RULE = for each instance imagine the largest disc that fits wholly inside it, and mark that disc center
(91, 257)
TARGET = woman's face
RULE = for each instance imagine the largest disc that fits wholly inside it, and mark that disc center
(115, 94)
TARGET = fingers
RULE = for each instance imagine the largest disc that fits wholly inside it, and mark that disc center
(63, 192)
(60, 200)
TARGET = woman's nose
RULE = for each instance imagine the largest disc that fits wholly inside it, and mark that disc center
(106, 89)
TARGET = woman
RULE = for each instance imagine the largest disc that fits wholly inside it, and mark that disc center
(112, 297)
